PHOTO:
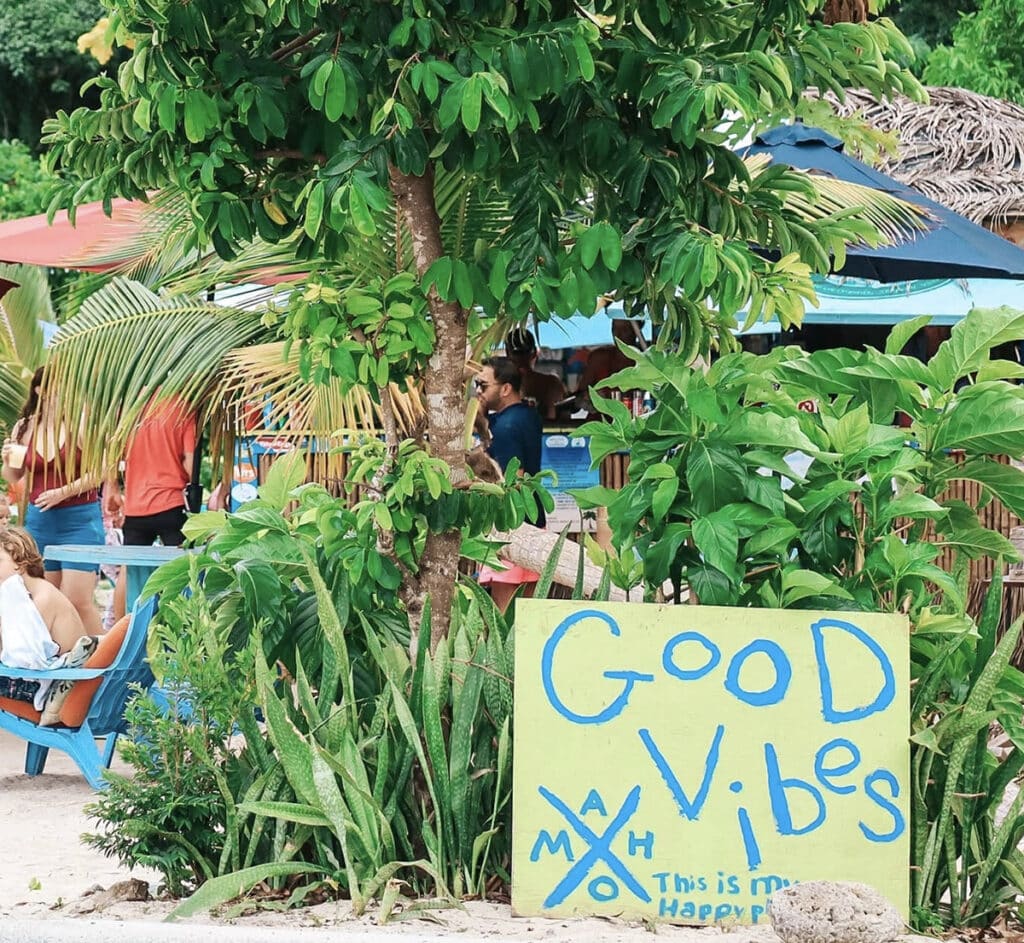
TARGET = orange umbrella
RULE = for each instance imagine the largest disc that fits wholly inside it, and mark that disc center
(34, 241)
(95, 243)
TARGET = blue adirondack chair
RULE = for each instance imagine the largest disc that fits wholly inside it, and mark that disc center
(106, 712)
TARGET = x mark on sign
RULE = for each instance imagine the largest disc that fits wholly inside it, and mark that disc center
(600, 848)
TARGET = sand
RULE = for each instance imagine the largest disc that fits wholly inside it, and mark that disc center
(47, 873)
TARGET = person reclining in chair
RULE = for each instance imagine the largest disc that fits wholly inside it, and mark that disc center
(39, 627)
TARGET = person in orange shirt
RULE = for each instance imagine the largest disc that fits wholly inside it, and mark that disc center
(158, 466)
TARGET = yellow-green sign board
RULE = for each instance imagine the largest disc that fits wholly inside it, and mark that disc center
(684, 762)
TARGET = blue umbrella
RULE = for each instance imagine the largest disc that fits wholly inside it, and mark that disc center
(953, 246)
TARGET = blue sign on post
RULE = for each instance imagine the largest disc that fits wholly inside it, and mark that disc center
(568, 456)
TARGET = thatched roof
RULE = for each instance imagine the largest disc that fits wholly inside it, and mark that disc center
(962, 149)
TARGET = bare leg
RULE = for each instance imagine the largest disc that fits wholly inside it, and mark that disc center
(53, 576)
(120, 594)
(79, 586)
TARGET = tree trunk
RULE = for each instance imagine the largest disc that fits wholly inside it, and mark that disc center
(531, 547)
(444, 399)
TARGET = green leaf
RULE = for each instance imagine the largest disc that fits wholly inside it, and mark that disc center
(717, 539)
(284, 476)
(471, 102)
(314, 210)
(439, 275)
(895, 367)
(800, 584)
(762, 427)
(971, 340)
(360, 212)
(775, 538)
(1006, 482)
(991, 421)
(336, 93)
(297, 812)
(913, 506)
(715, 475)
(230, 886)
(611, 246)
(903, 331)
(926, 738)
(198, 527)
(664, 494)
(589, 244)
(711, 586)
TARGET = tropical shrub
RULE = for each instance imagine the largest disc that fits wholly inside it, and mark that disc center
(171, 814)
(741, 496)
(372, 764)
(965, 828)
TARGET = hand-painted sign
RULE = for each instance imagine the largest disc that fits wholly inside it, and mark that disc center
(683, 763)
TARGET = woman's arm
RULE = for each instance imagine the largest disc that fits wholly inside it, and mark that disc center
(16, 443)
(49, 499)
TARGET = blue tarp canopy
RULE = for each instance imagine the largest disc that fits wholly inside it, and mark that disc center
(842, 300)
(953, 246)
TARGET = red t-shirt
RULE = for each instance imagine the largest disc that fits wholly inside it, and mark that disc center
(154, 465)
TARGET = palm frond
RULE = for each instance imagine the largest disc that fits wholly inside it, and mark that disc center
(127, 345)
(21, 337)
(896, 220)
(262, 377)
(13, 391)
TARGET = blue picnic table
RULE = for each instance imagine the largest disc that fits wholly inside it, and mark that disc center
(140, 562)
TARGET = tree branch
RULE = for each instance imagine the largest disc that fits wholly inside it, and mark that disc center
(295, 45)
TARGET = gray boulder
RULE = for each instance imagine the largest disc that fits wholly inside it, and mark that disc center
(833, 912)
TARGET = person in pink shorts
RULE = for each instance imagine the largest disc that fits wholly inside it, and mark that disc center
(515, 432)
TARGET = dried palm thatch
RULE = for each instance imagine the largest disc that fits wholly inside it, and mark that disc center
(962, 149)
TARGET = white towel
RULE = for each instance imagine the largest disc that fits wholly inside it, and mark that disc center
(25, 641)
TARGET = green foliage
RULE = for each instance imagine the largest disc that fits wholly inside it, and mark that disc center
(40, 68)
(718, 503)
(931, 21)
(513, 157)
(591, 135)
(24, 182)
(170, 815)
(713, 503)
(371, 764)
(984, 55)
(969, 867)
(370, 335)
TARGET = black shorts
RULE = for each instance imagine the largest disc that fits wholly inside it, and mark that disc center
(143, 530)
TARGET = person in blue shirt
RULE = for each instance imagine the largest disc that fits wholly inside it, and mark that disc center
(515, 433)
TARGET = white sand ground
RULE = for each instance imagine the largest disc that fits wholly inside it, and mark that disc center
(45, 871)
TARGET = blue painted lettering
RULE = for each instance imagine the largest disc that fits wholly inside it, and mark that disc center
(688, 808)
(560, 843)
(593, 801)
(644, 843)
(777, 788)
(603, 889)
(887, 691)
(898, 822)
(600, 848)
(826, 773)
(629, 678)
(750, 846)
(783, 673)
(689, 674)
